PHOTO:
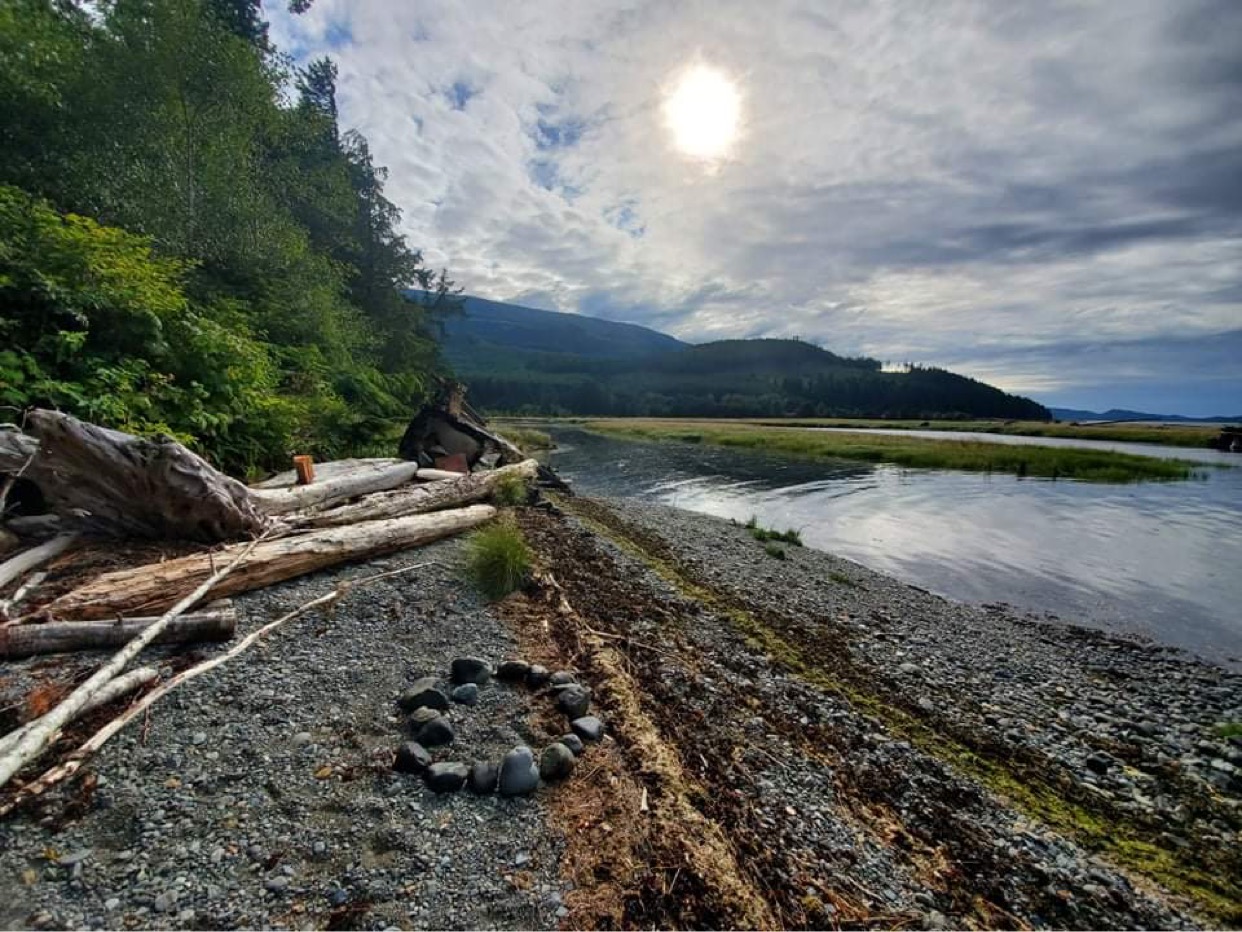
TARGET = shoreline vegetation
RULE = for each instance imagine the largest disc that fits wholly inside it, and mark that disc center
(915, 452)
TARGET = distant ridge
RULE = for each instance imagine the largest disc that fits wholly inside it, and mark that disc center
(1121, 414)
(519, 360)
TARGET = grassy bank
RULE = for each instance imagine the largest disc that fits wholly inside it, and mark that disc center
(919, 452)
(1172, 435)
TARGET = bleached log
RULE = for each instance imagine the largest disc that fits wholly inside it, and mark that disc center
(419, 499)
(146, 589)
(428, 474)
(8, 607)
(126, 683)
(56, 637)
(113, 483)
(27, 560)
(332, 469)
(45, 730)
(322, 494)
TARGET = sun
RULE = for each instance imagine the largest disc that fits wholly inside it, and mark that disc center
(703, 111)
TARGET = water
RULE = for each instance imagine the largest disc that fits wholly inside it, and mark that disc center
(1163, 560)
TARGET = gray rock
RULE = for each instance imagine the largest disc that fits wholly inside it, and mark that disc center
(513, 671)
(470, 670)
(422, 715)
(446, 777)
(518, 773)
(436, 732)
(908, 668)
(556, 762)
(337, 897)
(573, 742)
(301, 739)
(562, 678)
(483, 777)
(199, 737)
(412, 757)
(573, 701)
(588, 728)
(466, 694)
(277, 884)
(537, 677)
(423, 692)
(166, 902)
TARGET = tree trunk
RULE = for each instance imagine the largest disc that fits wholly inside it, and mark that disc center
(419, 499)
(322, 494)
(60, 637)
(27, 560)
(333, 469)
(113, 483)
(146, 589)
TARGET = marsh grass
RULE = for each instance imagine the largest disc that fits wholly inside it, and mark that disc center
(527, 439)
(763, 534)
(498, 559)
(510, 490)
(914, 452)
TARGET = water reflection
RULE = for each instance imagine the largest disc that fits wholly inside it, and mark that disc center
(1159, 559)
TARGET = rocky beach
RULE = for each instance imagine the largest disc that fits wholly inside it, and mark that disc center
(791, 741)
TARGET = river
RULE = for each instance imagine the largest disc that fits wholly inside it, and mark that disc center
(1161, 560)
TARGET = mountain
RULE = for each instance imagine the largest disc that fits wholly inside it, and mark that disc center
(1121, 414)
(518, 360)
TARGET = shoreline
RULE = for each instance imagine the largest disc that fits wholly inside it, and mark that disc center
(795, 742)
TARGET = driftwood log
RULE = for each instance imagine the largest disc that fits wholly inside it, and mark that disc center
(419, 499)
(215, 624)
(112, 483)
(333, 469)
(331, 491)
(27, 560)
(8, 541)
(147, 589)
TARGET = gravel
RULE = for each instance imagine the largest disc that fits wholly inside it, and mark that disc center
(263, 795)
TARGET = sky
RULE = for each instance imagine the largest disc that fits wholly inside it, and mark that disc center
(1046, 196)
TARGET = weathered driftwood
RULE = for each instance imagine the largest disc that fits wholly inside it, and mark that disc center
(56, 637)
(146, 589)
(331, 491)
(8, 607)
(126, 683)
(333, 469)
(74, 763)
(36, 527)
(45, 730)
(27, 560)
(113, 483)
(418, 499)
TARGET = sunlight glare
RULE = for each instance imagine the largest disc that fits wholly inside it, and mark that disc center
(703, 111)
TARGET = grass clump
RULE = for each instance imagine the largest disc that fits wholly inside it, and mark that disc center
(916, 452)
(842, 580)
(510, 490)
(1228, 730)
(764, 534)
(774, 551)
(498, 560)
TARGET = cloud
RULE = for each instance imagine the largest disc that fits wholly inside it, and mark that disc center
(955, 183)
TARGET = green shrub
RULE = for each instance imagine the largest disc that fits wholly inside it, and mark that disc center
(511, 490)
(774, 551)
(497, 559)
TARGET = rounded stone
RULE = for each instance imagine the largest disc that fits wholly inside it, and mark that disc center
(447, 777)
(556, 762)
(423, 714)
(518, 773)
(513, 671)
(466, 694)
(436, 732)
(573, 701)
(470, 670)
(573, 742)
(412, 757)
(588, 728)
(537, 676)
(423, 692)
(562, 678)
(483, 777)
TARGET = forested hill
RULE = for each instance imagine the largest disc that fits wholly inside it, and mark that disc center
(190, 241)
(522, 361)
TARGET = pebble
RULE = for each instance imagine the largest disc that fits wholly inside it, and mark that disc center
(513, 671)
(573, 742)
(573, 701)
(446, 777)
(537, 677)
(588, 728)
(165, 902)
(483, 777)
(424, 692)
(470, 670)
(301, 739)
(562, 678)
(518, 773)
(435, 733)
(466, 694)
(423, 714)
(556, 762)
(277, 884)
(199, 737)
(412, 757)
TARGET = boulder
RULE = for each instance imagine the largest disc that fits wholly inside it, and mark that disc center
(518, 773)
(588, 728)
(447, 777)
(436, 732)
(470, 670)
(423, 692)
(556, 762)
(573, 701)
